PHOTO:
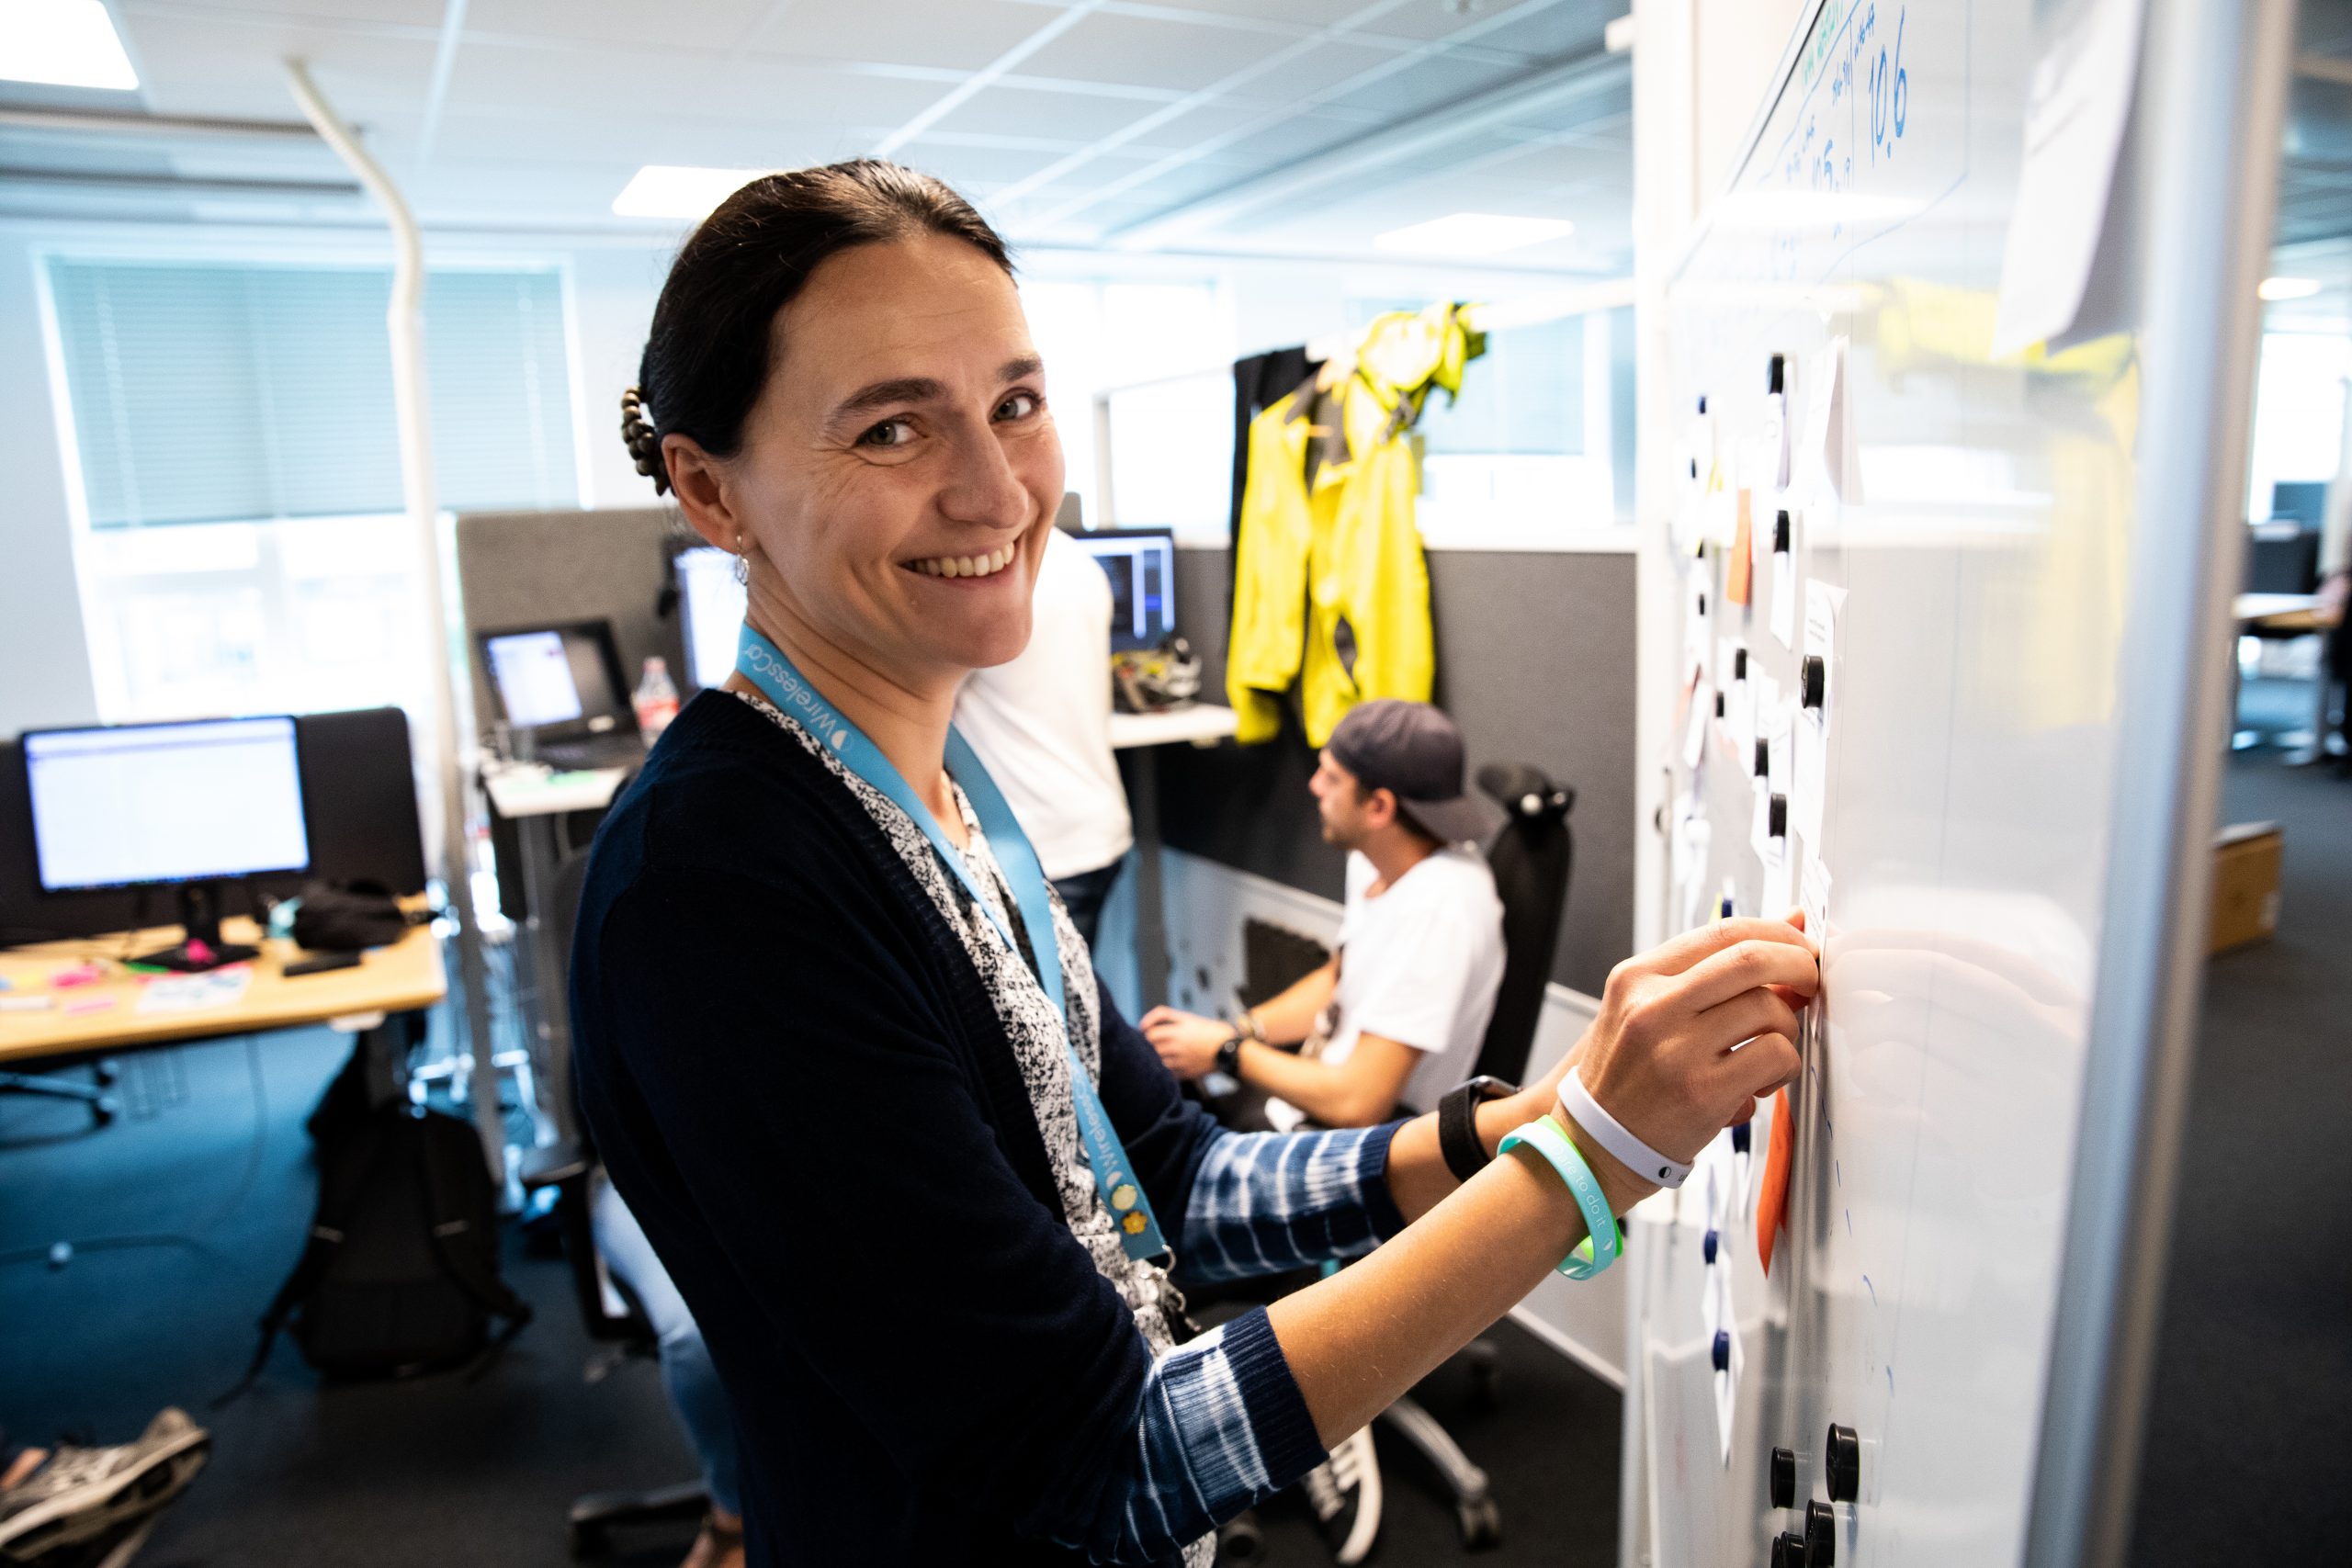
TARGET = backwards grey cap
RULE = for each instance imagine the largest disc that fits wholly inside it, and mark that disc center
(1413, 750)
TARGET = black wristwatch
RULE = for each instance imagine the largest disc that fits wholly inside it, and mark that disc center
(1228, 1056)
(1457, 1125)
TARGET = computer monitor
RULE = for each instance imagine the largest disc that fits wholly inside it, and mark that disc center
(559, 682)
(711, 603)
(2305, 501)
(180, 805)
(1141, 565)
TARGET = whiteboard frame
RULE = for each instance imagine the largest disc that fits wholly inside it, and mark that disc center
(2220, 67)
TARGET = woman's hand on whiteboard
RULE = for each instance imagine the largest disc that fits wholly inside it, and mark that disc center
(1693, 1031)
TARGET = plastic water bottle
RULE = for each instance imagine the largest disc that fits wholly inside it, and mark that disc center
(656, 700)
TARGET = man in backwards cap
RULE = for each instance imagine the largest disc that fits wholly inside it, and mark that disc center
(1398, 1012)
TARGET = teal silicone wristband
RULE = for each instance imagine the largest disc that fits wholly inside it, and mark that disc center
(1603, 1241)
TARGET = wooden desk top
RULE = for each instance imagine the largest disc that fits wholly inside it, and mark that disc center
(405, 975)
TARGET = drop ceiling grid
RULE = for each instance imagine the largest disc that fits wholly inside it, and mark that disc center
(555, 89)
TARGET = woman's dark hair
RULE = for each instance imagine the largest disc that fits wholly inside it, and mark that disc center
(707, 357)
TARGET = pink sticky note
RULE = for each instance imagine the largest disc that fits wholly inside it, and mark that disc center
(88, 1004)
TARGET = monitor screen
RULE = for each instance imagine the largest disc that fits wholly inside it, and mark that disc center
(1141, 565)
(713, 604)
(163, 803)
(554, 679)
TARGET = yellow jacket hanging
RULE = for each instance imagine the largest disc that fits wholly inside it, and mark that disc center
(1331, 587)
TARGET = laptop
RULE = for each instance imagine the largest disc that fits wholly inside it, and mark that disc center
(560, 691)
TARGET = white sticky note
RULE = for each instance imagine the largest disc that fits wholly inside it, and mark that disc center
(1783, 590)
(1779, 883)
(1721, 517)
(1727, 1379)
(1814, 895)
(1809, 797)
(1739, 721)
(1826, 444)
(1822, 604)
(2087, 57)
(1693, 836)
(1698, 613)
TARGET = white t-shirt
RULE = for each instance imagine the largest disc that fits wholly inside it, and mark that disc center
(1042, 723)
(1419, 964)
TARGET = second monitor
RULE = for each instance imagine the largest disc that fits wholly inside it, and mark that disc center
(1141, 565)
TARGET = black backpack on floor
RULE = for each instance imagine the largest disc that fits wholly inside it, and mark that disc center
(401, 1273)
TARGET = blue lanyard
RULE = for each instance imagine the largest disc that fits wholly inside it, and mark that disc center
(765, 666)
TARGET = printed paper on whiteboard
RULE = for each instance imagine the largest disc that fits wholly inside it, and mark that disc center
(2087, 57)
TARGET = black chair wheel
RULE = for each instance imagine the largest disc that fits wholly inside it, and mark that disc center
(1485, 1383)
(586, 1540)
(1481, 1522)
(1240, 1541)
(103, 1110)
(105, 1071)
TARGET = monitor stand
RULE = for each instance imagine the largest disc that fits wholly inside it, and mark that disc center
(202, 948)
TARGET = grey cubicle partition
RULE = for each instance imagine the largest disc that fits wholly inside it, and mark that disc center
(524, 568)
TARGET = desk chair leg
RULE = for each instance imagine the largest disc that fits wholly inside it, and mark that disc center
(102, 1104)
(1473, 1505)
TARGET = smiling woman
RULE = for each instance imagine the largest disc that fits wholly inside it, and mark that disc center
(845, 1056)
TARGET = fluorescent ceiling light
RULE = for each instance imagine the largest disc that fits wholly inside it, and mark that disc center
(673, 191)
(2289, 287)
(1472, 234)
(64, 43)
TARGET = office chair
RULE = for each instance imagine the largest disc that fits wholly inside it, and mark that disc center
(1531, 858)
(103, 1105)
(612, 1318)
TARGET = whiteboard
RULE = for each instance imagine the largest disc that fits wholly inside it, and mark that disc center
(2009, 569)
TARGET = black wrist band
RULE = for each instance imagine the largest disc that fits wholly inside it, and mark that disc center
(1457, 1125)
(1228, 1056)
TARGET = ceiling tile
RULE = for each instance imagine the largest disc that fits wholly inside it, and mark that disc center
(1425, 85)
(1297, 13)
(1149, 51)
(717, 25)
(1024, 110)
(1317, 71)
(1555, 31)
(979, 167)
(962, 35)
(1430, 20)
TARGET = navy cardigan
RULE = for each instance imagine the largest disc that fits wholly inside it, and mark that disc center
(795, 1078)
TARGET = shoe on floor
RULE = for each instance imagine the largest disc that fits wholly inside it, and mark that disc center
(93, 1507)
(1344, 1491)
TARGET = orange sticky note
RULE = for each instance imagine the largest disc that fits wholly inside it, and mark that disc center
(1742, 565)
(1772, 1196)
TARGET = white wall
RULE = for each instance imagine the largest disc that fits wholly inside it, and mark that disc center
(44, 671)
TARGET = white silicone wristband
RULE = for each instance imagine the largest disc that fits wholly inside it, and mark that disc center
(1610, 1133)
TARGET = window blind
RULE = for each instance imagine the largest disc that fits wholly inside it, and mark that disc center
(206, 392)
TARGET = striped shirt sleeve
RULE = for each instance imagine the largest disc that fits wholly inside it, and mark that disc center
(1223, 1426)
(1266, 1202)
(1222, 1423)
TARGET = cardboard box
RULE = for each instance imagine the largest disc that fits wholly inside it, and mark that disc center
(2246, 885)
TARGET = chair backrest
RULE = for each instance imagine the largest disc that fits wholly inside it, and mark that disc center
(1531, 858)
